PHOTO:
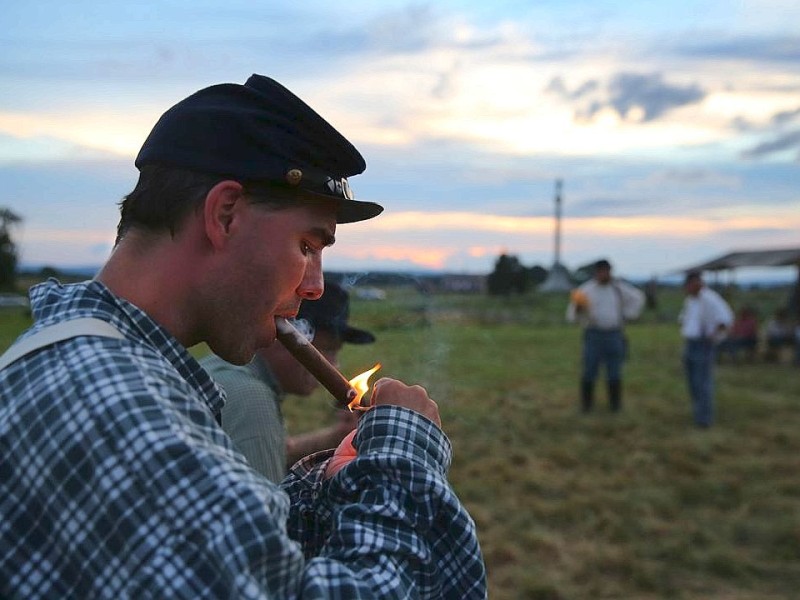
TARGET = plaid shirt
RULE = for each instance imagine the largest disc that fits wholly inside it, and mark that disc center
(117, 482)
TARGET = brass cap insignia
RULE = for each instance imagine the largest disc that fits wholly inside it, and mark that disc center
(293, 176)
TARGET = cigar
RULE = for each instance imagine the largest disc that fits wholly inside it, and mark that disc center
(313, 360)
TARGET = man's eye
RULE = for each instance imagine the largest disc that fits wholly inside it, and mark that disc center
(308, 248)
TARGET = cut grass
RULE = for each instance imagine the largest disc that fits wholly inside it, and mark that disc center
(570, 506)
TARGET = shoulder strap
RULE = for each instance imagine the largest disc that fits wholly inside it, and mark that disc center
(59, 332)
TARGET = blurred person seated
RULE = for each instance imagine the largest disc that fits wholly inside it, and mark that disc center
(743, 337)
(252, 415)
(779, 334)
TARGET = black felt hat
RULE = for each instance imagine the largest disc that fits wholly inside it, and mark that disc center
(260, 133)
(331, 313)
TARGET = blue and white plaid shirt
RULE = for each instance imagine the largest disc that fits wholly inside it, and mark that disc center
(117, 482)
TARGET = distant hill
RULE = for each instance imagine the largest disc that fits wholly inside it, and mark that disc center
(85, 271)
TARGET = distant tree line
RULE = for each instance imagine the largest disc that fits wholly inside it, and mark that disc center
(510, 276)
(8, 249)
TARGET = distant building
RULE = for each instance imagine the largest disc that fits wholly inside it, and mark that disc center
(463, 283)
(558, 280)
(13, 300)
(369, 293)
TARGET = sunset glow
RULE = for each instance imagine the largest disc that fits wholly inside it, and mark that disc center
(673, 129)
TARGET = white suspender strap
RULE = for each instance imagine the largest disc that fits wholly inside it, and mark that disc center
(59, 332)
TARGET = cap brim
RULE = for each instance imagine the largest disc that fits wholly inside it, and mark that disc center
(352, 211)
(351, 335)
(347, 211)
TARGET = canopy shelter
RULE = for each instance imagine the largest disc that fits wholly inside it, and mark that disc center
(785, 257)
(750, 258)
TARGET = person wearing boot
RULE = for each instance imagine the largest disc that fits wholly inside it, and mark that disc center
(602, 306)
(705, 320)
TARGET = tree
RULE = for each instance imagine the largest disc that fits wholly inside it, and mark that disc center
(47, 272)
(537, 274)
(508, 276)
(8, 249)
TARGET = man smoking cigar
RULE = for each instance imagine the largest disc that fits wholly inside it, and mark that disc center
(117, 480)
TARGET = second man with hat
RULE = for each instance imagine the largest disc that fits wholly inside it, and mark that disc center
(255, 392)
(602, 306)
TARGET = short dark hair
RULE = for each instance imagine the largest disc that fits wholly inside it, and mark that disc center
(693, 276)
(165, 196)
(602, 264)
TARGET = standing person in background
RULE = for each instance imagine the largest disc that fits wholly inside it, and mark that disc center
(602, 306)
(255, 391)
(705, 320)
(651, 294)
(116, 479)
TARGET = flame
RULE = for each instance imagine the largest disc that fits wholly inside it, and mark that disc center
(361, 384)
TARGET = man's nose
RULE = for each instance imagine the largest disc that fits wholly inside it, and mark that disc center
(313, 283)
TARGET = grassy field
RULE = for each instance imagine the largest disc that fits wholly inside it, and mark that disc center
(570, 506)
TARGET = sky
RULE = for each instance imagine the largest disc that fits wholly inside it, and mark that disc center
(674, 126)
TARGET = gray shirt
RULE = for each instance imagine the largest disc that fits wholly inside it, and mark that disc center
(251, 415)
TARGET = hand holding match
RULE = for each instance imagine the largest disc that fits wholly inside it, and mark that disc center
(413, 397)
(390, 392)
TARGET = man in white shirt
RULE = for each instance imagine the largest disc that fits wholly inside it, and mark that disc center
(603, 305)
(705, 319)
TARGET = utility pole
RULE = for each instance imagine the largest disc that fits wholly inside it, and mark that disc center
(558, 278)
(558, 222)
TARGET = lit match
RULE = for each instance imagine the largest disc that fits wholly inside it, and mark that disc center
(347, 394)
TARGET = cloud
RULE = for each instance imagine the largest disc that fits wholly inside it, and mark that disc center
(786, 116)
(778, 122)
(751, 48)
(650, 94)
(558, 87)
(446, 85)
(786, 141)
(686, 177)
(633, 96)
(411, 29)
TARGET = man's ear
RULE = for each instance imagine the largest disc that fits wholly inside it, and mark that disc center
(221, 205)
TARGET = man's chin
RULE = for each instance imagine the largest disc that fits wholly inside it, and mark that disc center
(235, 356)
